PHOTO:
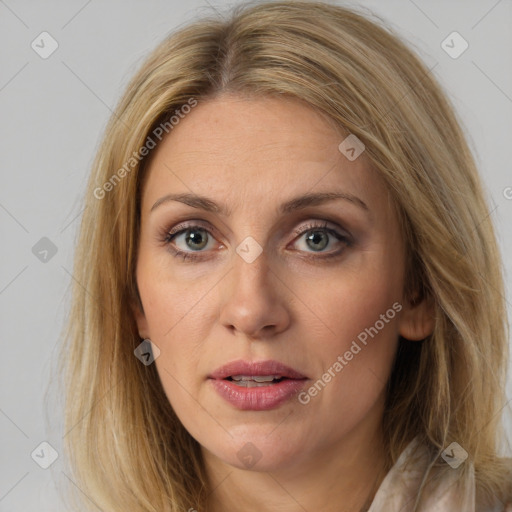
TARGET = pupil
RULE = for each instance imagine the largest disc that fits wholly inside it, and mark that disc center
(316, 237)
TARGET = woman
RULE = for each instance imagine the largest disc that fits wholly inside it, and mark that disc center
(288, 292)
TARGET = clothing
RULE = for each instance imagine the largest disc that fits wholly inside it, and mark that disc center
(398, 490)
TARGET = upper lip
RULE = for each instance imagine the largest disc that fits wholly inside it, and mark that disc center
(255, 368)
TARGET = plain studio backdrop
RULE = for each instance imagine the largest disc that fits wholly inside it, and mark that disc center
(55, 99)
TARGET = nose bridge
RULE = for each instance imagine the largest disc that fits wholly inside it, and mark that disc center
(252, 301)
(251, 269)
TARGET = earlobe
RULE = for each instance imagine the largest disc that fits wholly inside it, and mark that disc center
(140, 319)
(417, 319)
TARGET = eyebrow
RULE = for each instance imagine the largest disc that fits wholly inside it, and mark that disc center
(297, 203)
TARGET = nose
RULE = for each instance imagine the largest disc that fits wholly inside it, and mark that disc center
(254, 301)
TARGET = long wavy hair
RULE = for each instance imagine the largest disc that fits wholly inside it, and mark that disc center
(126, 448)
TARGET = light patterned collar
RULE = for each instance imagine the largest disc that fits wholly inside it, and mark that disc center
(398, 490)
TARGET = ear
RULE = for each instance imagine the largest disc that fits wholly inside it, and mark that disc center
(417, 319)
(140, 319)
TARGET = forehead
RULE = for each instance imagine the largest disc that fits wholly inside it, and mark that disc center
(254, 151)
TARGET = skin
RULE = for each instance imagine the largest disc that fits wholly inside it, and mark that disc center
(252, 155)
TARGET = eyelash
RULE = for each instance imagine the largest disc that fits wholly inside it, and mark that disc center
(194, 256)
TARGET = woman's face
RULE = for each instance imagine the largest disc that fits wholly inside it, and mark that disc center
(290, 254)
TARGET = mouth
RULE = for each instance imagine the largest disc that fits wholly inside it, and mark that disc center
(257, 386)
(256, 373)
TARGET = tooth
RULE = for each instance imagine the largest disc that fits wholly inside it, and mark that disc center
(254, 384)
(251, 384)
(266, 378)
(254, 381)
(256, 378)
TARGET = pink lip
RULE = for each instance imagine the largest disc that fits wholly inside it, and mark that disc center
(259, 398)
(261, 368)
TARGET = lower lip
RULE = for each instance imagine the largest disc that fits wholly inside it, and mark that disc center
(261, 398)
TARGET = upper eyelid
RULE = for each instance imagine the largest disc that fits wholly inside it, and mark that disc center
(315, 224)
(189, 225)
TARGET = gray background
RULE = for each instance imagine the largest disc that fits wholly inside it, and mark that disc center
(53, 112)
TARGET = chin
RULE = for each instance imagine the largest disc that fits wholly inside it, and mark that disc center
(259, 452)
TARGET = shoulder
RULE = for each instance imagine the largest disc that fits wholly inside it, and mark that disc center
(444, 488)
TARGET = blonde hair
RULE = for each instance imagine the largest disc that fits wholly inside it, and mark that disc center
(126, 447)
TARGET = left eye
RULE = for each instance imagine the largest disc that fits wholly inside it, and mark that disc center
(319, 237)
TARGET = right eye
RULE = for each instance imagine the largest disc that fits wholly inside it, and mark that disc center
(187, 241)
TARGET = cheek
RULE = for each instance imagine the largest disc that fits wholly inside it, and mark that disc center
(349, 302)
(172, 303)
(176, 317)
(356, 355)
(177, 325)
(177, 321)
(354, 330)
